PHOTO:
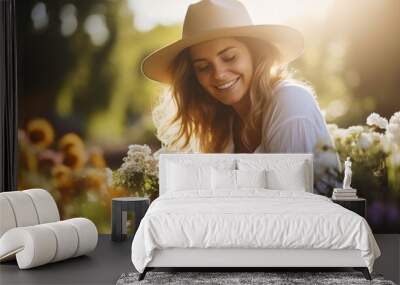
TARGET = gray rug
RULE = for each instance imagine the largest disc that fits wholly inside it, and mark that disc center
(229, 278)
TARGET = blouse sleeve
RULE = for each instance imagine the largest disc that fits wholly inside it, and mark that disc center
(295, 122)
(295, 135)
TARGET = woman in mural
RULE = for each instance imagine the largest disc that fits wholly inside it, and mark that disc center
(230, 88)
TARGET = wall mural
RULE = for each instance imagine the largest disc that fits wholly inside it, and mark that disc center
(91, 125)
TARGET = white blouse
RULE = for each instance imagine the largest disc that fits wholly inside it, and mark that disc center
(293, 123)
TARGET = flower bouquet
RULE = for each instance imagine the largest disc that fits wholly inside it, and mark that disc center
(138, 172)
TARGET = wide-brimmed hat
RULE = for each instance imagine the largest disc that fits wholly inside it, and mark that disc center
(211, 19)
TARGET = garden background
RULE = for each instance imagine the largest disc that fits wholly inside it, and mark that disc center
(84, 99)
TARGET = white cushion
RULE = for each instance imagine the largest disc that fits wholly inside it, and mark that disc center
(66, 237)
(190, 160)
(26, 208)
(87, 233)
(228, 179)
(40, 244)
(223, 179)
(181, 177)
(34, 244)
(45, 206)
(292, 180)
(251, 178)
(282, 174)
(7, 220)
(23, 208)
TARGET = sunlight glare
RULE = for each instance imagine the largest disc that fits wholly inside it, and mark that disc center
(171, 12)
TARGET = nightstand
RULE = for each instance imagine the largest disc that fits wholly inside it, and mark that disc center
(120, 208)
(358, 205)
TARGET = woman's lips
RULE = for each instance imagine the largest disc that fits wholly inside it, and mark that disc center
(228, 85)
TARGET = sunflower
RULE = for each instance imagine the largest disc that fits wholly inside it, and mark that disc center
(70, 140)
(96, 158)
(74, 158)
(63, 181)
(61, 173)
(40, 132)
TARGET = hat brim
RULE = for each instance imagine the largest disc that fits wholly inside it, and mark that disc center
(289, 42)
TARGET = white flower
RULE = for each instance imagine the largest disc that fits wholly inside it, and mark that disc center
(395, 119)
(393, 131)
(339, 133)
(376, 136)
(139, 148)
(151, 167)
(365, 140)
(375, 119)
(386, 142)
(354, 130)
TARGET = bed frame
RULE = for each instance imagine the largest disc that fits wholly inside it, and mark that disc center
(240, 259)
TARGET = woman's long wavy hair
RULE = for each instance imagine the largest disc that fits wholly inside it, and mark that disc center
(206, 120)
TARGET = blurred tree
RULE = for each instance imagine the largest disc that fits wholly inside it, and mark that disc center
(355, 61)
(44, 60)
(94, 89)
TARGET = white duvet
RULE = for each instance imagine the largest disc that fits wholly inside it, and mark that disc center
(251, 218)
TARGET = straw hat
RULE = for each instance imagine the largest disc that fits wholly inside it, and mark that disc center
(211, 19)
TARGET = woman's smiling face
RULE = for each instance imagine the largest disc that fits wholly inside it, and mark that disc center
(224, 68)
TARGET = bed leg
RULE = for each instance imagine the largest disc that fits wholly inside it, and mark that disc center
(364, 271)
(143, 274)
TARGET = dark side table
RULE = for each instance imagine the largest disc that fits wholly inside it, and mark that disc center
(358, 205)
(120, 208)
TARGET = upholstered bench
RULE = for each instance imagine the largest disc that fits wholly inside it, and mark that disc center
(31, 230)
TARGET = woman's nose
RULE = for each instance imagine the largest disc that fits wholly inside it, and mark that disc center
(219, 73)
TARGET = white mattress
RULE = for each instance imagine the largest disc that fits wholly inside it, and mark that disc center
(252, 218)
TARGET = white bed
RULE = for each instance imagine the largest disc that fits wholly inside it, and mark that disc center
(218, 225)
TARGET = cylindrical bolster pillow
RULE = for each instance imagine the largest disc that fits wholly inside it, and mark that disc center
(26, 208)
(23, 208)
(33, 246)
(46, 207)
(67, 240)
(7, 219)
(87, 235)
(41, 244)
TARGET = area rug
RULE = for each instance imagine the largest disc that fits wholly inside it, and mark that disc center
(269, 278)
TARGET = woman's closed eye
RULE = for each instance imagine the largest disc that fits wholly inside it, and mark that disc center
(201, 68)
(230, 58)
(204, 67)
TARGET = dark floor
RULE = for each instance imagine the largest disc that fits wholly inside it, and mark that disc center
(102, 266)
(110, 259)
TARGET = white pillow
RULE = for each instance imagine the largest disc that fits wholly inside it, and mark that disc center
(223, 179)
(282, 174)
(236, 179)
(251, 178)
(181, 177)
(293, 180)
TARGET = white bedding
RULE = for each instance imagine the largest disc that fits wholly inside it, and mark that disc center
(250, 218)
